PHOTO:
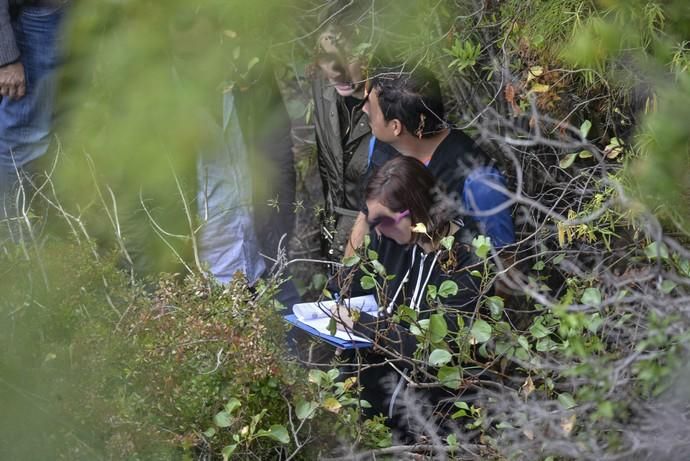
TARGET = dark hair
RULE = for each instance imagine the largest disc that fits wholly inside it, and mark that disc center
(404, 183)
(414, 98)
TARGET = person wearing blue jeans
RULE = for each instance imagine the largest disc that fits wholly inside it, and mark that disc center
(29, 37)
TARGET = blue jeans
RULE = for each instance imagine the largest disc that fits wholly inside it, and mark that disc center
(25, 124)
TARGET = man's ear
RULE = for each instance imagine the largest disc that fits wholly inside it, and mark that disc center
(397, 127)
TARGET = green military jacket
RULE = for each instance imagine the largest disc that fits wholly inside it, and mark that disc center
(342, 139)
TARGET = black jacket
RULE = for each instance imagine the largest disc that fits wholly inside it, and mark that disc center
(414, 271)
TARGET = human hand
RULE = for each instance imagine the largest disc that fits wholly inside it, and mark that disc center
(12, 81)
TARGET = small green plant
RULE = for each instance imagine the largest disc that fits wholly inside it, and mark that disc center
(464, 54)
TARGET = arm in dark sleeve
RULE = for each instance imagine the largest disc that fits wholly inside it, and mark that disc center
(8, 46)
(392, 337)
(331, 180)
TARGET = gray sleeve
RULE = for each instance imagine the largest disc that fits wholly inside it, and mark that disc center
(8, 47)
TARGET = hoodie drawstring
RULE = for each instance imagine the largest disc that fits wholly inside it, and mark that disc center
(389, 309)
(419, 287)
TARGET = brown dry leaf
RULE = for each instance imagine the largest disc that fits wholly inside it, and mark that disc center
(527, 387)
(568, 423)
(528, 433)
(510, 93)
(510, 97)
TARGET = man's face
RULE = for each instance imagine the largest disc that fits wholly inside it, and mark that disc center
(339, 67)
(382, 129)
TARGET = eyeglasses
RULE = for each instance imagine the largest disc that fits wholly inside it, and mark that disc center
(387, 221)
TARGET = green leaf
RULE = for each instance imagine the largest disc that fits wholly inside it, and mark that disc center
(594, 322)
(654, 250)
(538, 330)
(448, 288)
(372, 255)
(545, 345)
(452, 441)
(567, 401)
(450, 377)
(210, 432)
(351, 261)
(667, 286)
(481, 331)
(367, 282)
(540, 88)
(419, 328)
(462, 405)
(223, 419)
(539, 265)
(228, 451)
(591, 297)
(447, 242)
(437, 327)
(522, 341)
(407, 314)
(232, 405)
(495, 304)
(567, 161)
(439, 357)
(333, 373)
(534, 71)
(584, 128)
(276, 432)
(476, 273)
(482, 246)
(378, 267)
(585, 154)
(332, 404)
(305, 410)
(252, 62)
(685, 266)
(431, 291)
(316, 376)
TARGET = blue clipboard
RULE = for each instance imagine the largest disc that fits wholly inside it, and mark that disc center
(332, 340)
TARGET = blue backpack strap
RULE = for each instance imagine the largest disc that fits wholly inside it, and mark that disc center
(372, 142)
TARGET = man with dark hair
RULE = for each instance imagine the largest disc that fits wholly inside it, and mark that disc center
(406, 111)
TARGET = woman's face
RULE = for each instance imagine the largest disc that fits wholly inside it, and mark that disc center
(394, 225)
(339, 67)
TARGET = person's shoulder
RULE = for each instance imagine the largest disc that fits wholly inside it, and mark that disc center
(458, 139)
(381, 153)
